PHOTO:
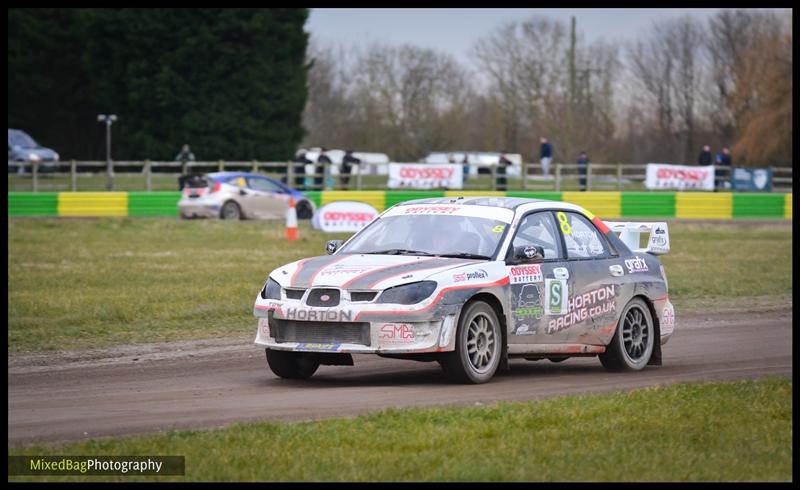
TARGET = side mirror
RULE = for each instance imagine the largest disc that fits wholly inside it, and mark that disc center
(528, 254)
(333, 245)
(242, 192)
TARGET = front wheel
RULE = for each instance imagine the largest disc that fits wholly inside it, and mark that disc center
(632, 345)
(291, 365)
(304, 211)
(478, 346)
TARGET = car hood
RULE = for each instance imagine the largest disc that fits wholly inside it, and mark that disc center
(356, 271)
(43, 153)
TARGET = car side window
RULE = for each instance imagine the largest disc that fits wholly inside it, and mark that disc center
(538, 229)
(262, 185)
(582, 239)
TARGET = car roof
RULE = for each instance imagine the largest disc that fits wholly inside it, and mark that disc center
(230, 175)
(492, 201)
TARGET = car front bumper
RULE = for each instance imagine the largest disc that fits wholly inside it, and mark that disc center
(282, 330)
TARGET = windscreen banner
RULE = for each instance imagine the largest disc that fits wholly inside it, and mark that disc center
(343, 216)
(425, 176)
(751, 179)
(680, 177)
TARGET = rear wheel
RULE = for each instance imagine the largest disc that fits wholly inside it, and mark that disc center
(303, 209)
(231, 210)
(478, 346)
(632, 345)
(291, 365)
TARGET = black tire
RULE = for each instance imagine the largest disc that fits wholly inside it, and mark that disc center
(230, 210)
(479, 345)
(632, 345)
(291, 365)
(303, 209)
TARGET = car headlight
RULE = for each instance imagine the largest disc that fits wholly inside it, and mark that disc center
(408, 294)
(34, 157)
(272, 290)
(56, 157)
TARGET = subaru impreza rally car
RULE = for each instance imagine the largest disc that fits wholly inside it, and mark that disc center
(471, 283)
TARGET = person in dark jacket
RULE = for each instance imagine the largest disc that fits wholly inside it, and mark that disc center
(724, 157)
(321, 169)
(705, 156)
(545, 155)
(500, 175)
(583, 164)
(347, 165)
(299, 163)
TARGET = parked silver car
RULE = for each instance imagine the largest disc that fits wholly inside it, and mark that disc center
(23, 148)
(239, 195)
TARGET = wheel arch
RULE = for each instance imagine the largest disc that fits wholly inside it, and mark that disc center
(655, 357)
(242, 214)
(497, 306)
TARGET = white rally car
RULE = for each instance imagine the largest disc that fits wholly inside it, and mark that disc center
(471, 283)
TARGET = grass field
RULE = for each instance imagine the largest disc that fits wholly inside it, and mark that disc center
(740, 431)
(83, 283)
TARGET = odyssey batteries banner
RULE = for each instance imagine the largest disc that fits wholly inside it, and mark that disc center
(681, 177)
(343, 216)
(425, 176)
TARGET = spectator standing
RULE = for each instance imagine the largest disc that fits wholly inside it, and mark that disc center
(724, 157)
(502, 164)
(322, 169)
(184, 156)
(465, 161)
(545, 155)
(583, 164)
(347, 163)
(300, 170)
(724, 160)
(705, 156)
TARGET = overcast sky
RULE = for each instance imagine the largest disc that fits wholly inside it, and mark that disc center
(455, 30)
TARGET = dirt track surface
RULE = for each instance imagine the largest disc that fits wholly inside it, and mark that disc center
(140, 389)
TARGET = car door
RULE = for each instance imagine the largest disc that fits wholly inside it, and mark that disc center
(529, 281)
(265, 199)
(594, 285)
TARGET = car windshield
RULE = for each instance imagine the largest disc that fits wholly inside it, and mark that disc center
(443, 235)
(20, 138)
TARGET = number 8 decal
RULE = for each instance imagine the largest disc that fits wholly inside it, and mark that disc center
(562, 219)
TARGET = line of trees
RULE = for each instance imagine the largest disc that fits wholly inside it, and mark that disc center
(683, 84)
(230, 82)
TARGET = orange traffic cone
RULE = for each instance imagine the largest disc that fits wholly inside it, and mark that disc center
(291, 221)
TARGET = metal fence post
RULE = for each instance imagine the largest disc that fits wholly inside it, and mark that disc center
(558, 177)
(619, 176)
(494, 176)
(588, 177)
(524, 175)
(73, 175)
(35, 172)
(148, 176)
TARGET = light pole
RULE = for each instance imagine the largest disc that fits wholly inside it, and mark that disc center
(109, 120)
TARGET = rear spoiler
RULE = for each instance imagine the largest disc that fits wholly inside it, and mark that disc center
(630, 231)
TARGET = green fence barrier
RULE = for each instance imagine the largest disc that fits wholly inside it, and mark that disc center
(33, 203)
(153, 203)
(758, 205)
(648, 205)
(629, 204)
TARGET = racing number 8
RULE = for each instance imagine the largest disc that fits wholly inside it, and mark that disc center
(562, 219)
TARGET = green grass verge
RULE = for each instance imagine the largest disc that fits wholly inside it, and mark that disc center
(84, 283)
(740, 431)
